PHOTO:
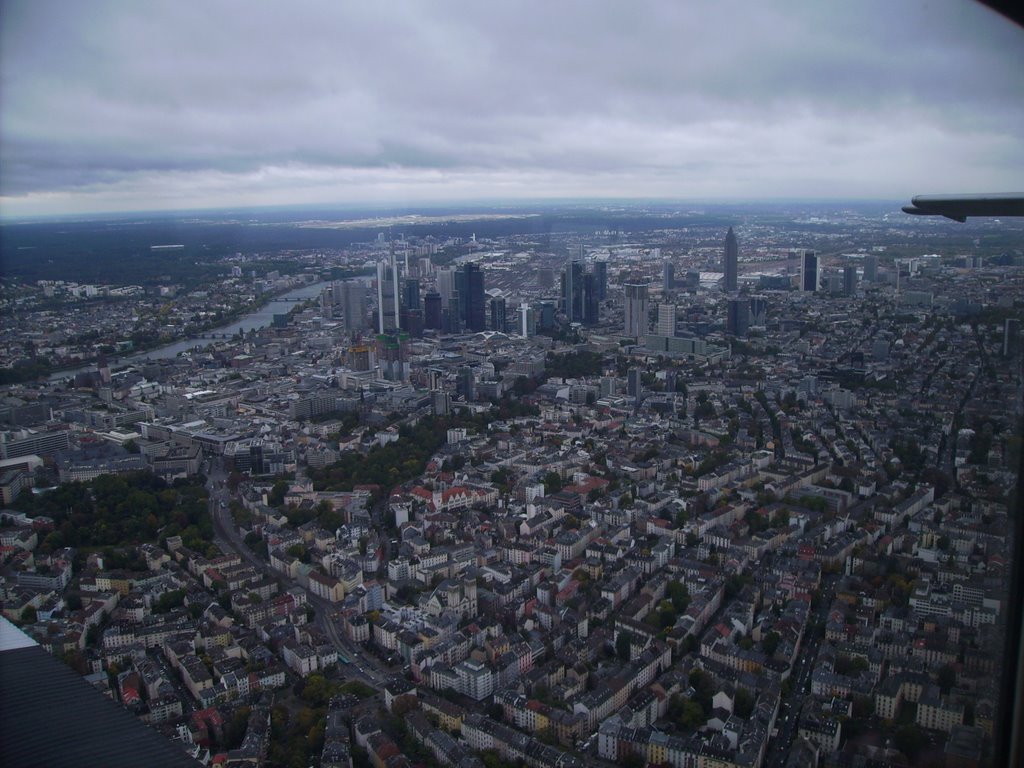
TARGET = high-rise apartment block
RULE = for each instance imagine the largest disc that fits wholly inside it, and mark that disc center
(350, 297)
(635, 309)
(809, 271)
(849, 280)
(411, 293)
(499, 321)
(870, 268)
(581, 292)
(666, 319)
(572, 291)
(738, 320)
(432, 314)
(526, 323)
(601, 276)
(469, 283)
(758, 311)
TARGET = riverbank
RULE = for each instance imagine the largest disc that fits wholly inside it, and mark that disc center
(260, 317)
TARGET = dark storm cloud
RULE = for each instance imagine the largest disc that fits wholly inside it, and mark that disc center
(188, 104)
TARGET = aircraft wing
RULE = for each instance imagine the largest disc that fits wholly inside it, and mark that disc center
(959, 207)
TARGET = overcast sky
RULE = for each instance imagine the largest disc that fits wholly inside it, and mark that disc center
(113, 106)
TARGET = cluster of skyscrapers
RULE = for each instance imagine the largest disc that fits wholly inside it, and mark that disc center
(458, 302)
(583, 292)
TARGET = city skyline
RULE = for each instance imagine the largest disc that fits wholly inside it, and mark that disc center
(787, 510)
(130, 109)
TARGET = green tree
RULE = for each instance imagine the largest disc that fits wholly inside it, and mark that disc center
(234, 731)
(910, 740)
(277, 493)
(692, 716)
(169, 600)
(743, 705)
(677, 592)
(622, 645)
(666, 615)
(500, 477)
(317, 691)
(946, 678)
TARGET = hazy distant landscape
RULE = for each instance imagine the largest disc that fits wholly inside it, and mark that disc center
(94, 248)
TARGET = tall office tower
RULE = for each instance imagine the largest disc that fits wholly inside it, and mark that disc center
(572, 291)
(395, 295)
(466, 384)
(738, 321)
(393, 356)
(470, 286)
(870, 268)
(412, 322)
(835, 283)
(758, 311)
(381, 279)
(668, 276)
(527, 324)
(411, 294)
(352, 294)
(849, 281)
(453, 318)
(1011, 337)
(326, 300)
(360, 357)
(591, 303)
(547, 315)
(601, 275)
(441, 403)
(499, 322)
(434, 378)
(387, 299)
(692, 280)
(666, 319)
(732, 256)
(446, 283)
(634, 384)
(809, 271)
(636, 309)
(432, 311)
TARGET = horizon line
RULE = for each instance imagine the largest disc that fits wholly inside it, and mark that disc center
(507, 203)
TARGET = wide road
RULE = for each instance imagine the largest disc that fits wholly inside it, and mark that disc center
(363, 667)
(789, 712)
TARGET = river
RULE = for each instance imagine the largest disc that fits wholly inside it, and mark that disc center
(261, 318)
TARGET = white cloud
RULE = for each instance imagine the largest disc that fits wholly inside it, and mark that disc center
(185, 105)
